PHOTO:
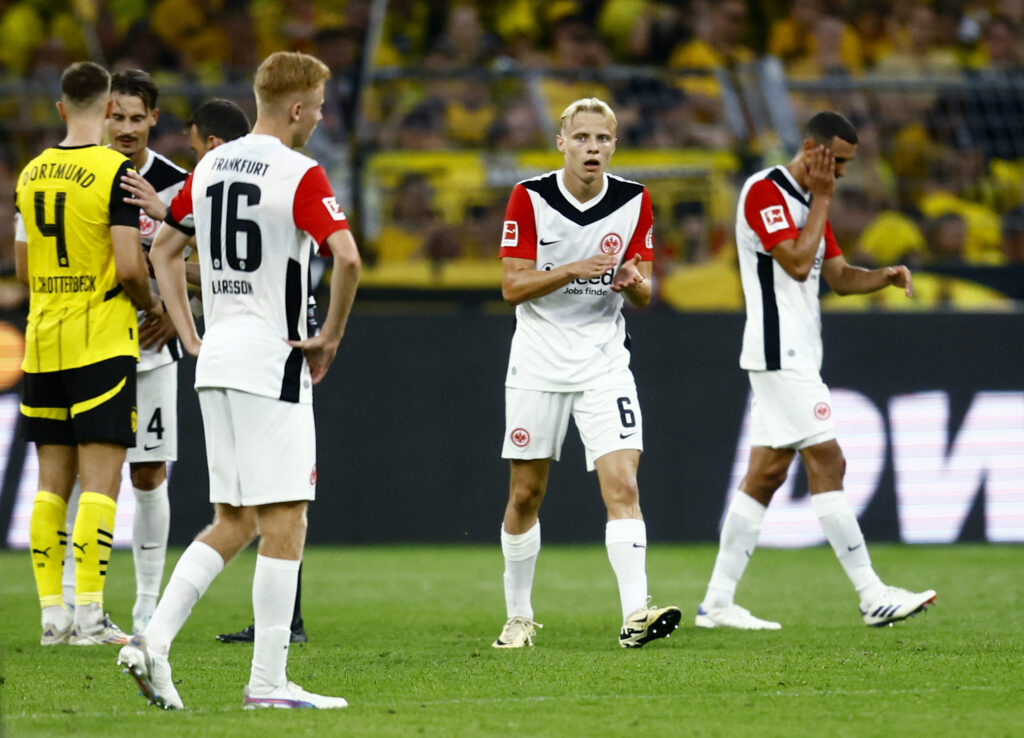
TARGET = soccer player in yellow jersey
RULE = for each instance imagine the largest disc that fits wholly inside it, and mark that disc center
(79, 252)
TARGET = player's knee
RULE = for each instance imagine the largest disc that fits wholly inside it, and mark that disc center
(621, 491)
(148, 475)
(524, 497)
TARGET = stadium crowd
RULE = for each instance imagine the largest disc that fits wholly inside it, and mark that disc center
(460, 99)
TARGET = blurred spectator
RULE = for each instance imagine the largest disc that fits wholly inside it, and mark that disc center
(341, 49)
(645, 31)
(577, 51)
(717, 47)
(946, 238)
(916, 54)
(517, 127)
(414, 230)
(1013, 235)
(994, 104)
(795, 38)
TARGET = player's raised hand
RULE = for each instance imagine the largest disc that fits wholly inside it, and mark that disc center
(595, 266)
(319, 352)
(143, 195)
(820, 165)
(628, 275)
(900, 276)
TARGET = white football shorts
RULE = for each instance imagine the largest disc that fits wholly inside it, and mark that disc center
(791, 408)
(156, 432)
(608, 419)
(259, 450)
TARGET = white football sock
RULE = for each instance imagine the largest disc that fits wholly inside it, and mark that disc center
(273, 598)
(843, 532)
(67, 576)
(57, 616)
(197, 567)
(626, 541)
(150, 527)
(740, 532)
(520, 553)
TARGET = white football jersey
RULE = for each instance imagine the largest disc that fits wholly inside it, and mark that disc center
(255, 204)
(783, 328)
(575, 337)
(167, 179)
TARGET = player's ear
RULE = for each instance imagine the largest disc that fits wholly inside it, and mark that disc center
(560, 142)
(63, 113)
(155, 112)
(294, 110)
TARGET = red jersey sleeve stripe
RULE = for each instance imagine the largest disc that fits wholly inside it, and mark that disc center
(181, 207)
(831, 247)
(519, 232)
(768, 215)
(642, 241)
(315, 209)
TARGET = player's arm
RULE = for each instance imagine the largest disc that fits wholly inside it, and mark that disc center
(316, 211)
(143, 195)
(166, 254)
(634, 280)
(129, 262)
(130, 267)
(797, 255)
(21, 261)
(320, 350)
(520, 281)
(846, 279)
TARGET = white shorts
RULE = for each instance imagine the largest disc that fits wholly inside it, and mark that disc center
(608, 419)
(791, 408)
(156, 432)
(259, 450)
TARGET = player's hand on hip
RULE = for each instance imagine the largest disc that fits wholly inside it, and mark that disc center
(900, 276)
(820, 165)
(156, 330)
(595, 266)
(628, 275)
(143, 195)
(319, 353)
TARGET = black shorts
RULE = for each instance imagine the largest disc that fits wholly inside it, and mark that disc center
(88, 404)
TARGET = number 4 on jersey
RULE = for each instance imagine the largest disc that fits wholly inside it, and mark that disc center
(55, 228)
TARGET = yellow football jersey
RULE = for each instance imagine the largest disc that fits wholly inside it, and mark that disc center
(79, 314)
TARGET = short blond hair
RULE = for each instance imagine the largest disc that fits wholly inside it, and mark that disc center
(588, 105)
(285, 73)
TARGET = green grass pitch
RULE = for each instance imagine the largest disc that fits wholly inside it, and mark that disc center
(404, 634)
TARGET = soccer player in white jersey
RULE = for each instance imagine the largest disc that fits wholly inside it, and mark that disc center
(785, 246)
(256, 202)
(575, 242)
(134, 115)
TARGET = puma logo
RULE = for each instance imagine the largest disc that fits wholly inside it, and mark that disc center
(45, 552)
(81, 546)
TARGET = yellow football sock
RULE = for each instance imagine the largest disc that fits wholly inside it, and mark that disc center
(93, 542)
(47, 541)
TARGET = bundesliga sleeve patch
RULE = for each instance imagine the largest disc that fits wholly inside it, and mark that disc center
(510, 234)
(333, 208)
(774, 219)
(649, 239)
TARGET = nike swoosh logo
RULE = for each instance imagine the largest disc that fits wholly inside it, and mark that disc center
(854, 548)
(747, 553)
(548, 243)
(637, 545)
(150, 547)
(147, 447)
(627, 435)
